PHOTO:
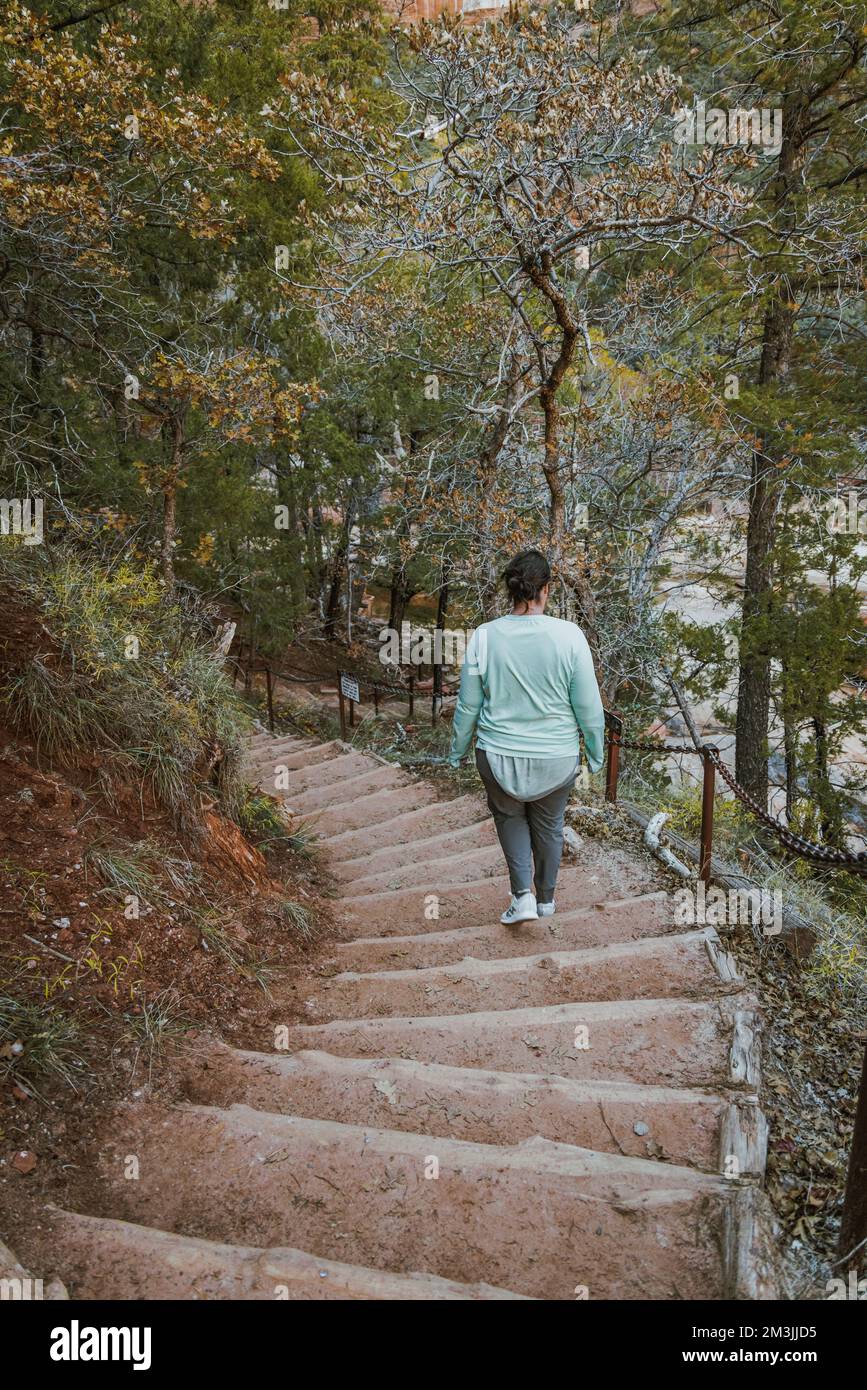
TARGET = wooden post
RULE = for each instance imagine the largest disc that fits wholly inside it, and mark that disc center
(351, 713)
(853, 1228)
(376, 699)
(269, 682)
(708, 787)
(613, 770)
(342, 707)
(411, 684)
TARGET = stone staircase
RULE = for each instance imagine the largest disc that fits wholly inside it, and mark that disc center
(559, 1110)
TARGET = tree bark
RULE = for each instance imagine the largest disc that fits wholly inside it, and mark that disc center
(571, 573)
(175, 430)
(442, 610)
(338, 573)
(400, 593)
(754, 672)
(170, 512)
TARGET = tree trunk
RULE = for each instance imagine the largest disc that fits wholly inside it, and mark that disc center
(571, 572)
(754, 673)
(170, 513)
(400, 593)
(175, 429)
(790, 746)
(488, 460)
(338, 574)
(442, 610)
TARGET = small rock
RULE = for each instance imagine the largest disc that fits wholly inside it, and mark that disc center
(640, 1128)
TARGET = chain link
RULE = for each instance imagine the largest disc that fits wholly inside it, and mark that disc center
(821, 854)
(645, 747)
(807, 849)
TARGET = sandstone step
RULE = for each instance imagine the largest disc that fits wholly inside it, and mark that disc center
(258, 748)
(19, 1284)
(119, 1260)
(671, 1042)
(476, 836)
(627, 919)
(404, 828)
(684, 1126)
(324, 774)
(265, 739)
(409, 911)
(368, 811)
(684, 965)
(350, 789)
(265, 762)
(463, 866)
(538, 1217)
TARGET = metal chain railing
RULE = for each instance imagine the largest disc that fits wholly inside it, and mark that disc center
(853, 1223)
(713, 763)
(798, 844)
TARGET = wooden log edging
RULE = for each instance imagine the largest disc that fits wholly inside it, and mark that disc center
(798, 935)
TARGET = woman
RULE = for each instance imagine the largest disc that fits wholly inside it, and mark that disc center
(528, 688)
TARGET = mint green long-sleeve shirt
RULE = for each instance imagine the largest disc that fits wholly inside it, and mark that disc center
(527, 688)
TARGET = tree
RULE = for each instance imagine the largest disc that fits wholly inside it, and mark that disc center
(789, 312)
(526, 165)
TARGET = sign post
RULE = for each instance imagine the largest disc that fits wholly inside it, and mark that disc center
(348, 690)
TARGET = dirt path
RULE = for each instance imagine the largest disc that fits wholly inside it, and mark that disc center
(559, 1110)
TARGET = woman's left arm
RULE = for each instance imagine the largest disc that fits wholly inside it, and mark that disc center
(587, 704)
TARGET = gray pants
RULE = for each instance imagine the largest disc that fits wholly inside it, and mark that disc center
(530, 833)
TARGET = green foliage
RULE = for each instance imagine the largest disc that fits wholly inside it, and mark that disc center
(125, 673)
(125, 869)
(299, 919)
(261, 817)
(732, 825)
(157, 1024)
(39, 1043)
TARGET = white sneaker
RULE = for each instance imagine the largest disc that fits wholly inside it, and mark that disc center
(521, 909)
(545, 909)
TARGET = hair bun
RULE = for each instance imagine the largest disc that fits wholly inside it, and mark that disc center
(526, 575)
(519, 588)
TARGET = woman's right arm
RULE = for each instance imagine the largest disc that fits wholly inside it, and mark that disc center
(470, 698)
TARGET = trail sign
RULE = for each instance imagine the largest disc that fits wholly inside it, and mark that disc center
(349, 687)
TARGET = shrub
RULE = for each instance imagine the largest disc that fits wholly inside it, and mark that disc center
(121, 670)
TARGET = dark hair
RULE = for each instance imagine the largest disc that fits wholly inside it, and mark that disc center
(526, 575)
